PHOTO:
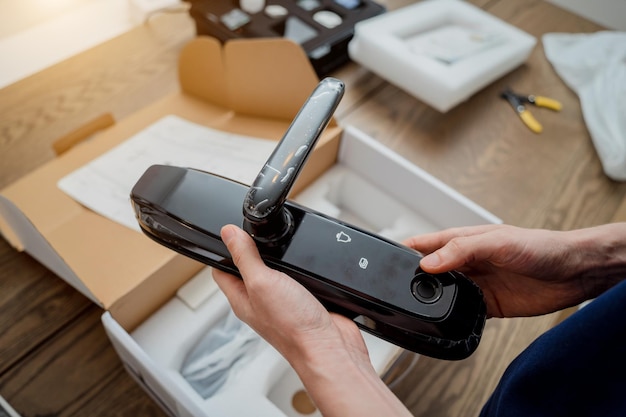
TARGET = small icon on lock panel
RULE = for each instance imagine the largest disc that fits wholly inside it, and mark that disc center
(343, 238)
(363, 263)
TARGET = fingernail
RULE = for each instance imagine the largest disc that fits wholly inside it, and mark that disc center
(228, 233)
(430, 261)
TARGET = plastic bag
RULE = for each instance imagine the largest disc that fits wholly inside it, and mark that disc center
(218, 354)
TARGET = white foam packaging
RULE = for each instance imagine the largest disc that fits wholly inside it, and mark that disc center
(440, 51)
(370, 186)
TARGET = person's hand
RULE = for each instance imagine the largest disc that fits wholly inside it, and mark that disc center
(525, 272)
(278, 308)
(326, 350)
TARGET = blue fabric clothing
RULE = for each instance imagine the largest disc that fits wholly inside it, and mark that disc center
(578, 368)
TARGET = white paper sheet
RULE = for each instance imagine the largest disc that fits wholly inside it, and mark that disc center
(104, 184)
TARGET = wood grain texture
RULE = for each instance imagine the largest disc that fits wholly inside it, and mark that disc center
(54, 356)
(75, 372)
(34, 304)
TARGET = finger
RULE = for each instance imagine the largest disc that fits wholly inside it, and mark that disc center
(461, 251)
(243, 251)
(429, 242)
(232, 287)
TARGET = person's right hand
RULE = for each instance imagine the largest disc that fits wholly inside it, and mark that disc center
(527, 272)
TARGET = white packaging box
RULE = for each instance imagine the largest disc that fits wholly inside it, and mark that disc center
(371, 187)
(440, 51)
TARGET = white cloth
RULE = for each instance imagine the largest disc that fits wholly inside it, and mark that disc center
(594, 67)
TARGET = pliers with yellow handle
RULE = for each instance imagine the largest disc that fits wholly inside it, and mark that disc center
(518, 102)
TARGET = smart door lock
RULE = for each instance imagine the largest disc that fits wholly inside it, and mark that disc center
(376, 282)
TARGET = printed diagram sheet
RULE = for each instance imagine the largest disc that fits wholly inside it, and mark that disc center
(104, 184)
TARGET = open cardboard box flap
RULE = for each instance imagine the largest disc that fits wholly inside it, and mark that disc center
(231, 87)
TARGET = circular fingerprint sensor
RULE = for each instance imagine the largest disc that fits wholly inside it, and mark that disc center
(327, 18)
(426, 288)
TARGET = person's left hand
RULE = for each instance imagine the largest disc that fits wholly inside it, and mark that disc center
(326, 350)
(281, 310)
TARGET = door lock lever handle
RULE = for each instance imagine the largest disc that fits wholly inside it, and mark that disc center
(265, 217)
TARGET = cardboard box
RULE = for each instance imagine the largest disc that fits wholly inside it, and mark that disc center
(150, 318)
(374, 199)
(440, 51)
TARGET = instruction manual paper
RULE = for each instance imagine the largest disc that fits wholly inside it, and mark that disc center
(104, 184)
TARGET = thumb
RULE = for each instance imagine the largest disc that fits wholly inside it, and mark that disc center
(242, 249)
(456, 253)
(432, 262)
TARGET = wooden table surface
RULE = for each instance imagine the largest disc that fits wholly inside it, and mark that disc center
(54, 356)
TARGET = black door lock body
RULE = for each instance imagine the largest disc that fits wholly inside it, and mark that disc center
(374, 281)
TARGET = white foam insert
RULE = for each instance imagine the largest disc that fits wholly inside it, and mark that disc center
(266, 378)
(440, 51)
(343, 194)
(371, 187)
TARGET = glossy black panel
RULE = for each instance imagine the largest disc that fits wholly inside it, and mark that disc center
(372, 267)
